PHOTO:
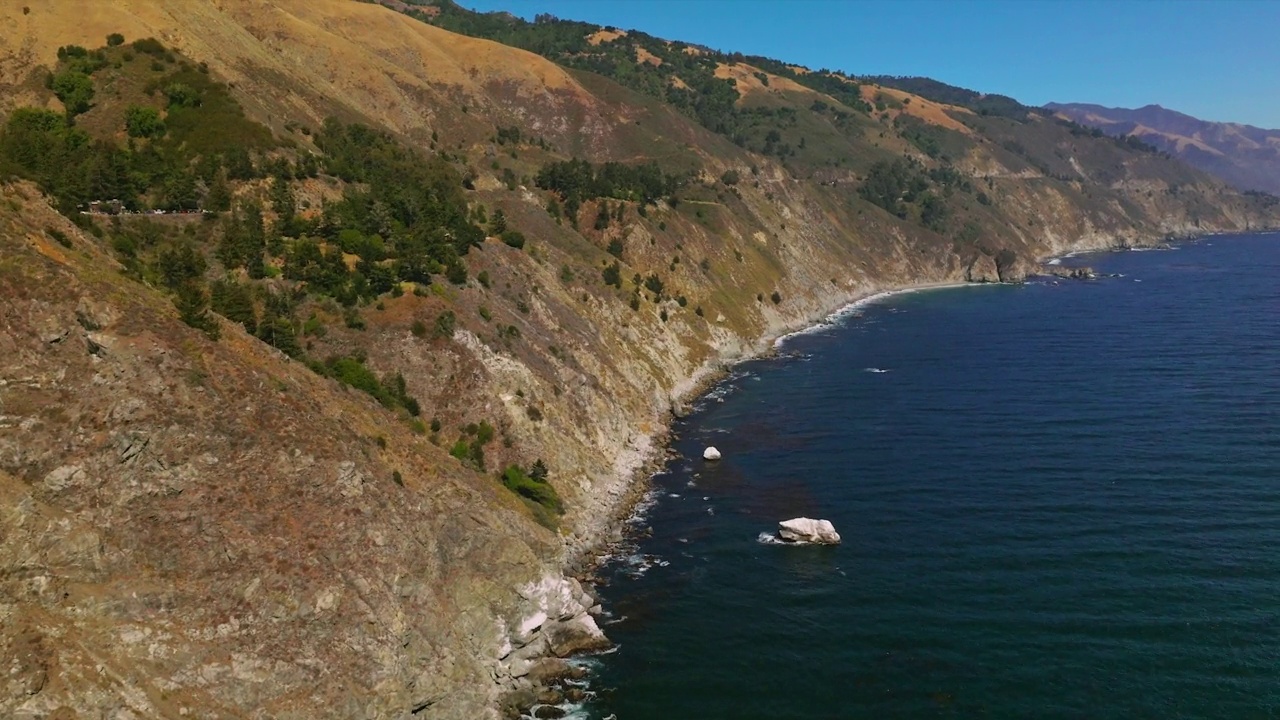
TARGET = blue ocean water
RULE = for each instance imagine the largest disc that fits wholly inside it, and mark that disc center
(1058, 500)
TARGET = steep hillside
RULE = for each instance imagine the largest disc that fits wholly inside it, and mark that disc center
(338, 336)
(198, 526)
(1245, 156)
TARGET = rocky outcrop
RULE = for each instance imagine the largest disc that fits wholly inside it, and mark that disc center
(191, 528)
(555, 621)
(808, 531)
(982, 270)
(1071, 273)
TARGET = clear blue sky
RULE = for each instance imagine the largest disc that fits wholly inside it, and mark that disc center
(1215, 60)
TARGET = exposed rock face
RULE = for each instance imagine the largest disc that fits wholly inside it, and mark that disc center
(1073, 273)
(983, 270)
(198, 528)
(711, 453)
(190, 528)
(808, 530)
(554, 620)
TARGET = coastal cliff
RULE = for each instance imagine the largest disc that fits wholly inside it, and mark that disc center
(199, 518)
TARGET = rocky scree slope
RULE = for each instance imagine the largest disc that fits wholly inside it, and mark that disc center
(198, 526)
(205, 524)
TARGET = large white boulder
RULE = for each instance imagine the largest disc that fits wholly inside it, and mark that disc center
(808, 530)
(711, 454)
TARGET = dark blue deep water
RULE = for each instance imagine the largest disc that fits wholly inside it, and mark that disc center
(1062, 500)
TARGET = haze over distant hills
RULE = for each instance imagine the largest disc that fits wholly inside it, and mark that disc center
(1243, 155)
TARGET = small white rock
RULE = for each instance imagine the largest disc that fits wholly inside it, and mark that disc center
(808, 530)
(711, 454)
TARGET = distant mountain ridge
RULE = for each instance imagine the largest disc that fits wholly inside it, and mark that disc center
(1243, 155)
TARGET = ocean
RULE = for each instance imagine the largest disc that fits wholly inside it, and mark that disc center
(1059, 499)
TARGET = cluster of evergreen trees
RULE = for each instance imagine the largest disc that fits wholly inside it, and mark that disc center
(577, 181)
(403, 215)
(172, 162)
(907, 189)
(711, 100)
(412, 208)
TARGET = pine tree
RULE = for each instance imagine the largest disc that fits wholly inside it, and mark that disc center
(538, 472)
(193, 308)
(219, 197)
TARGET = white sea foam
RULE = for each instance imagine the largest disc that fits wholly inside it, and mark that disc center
(874, 370)
(717, 394)
(640, 512)
(857, 307)
(637, 565)
(768, 538)
(1054, 261)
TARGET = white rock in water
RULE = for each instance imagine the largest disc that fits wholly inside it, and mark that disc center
(807, 530)
(711, 454)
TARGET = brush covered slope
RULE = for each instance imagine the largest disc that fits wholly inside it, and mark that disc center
(332, 335)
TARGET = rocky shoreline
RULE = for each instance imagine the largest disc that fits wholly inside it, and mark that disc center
(559, 622)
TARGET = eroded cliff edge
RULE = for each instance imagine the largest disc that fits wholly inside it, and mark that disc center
(209, 526)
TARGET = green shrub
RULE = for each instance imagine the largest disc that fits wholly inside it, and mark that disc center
(654, 284)
(446, 324)
(613, 275)
(181, 95)
(456, 273)
(75, 90)
(59, 236)
(314, 327)
(537, 491)
(150, 46)
(513, 238)
(143, 122)
(115, 39)
(390, 392)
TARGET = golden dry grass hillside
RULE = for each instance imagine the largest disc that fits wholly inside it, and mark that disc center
(304, 60)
